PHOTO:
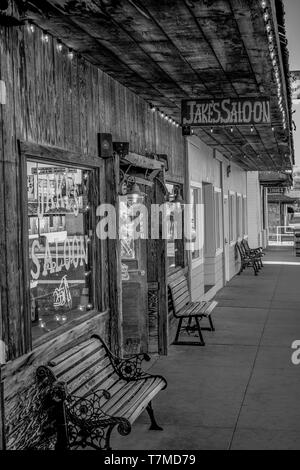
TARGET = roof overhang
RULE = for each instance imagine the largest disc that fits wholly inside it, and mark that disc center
(275, 179)
(170, 50)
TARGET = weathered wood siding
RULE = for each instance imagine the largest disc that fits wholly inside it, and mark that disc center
(55, 101)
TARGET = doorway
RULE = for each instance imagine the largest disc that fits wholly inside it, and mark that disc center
(143, 260)
(209, 237)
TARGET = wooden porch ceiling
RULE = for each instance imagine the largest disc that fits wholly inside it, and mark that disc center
(169, 50)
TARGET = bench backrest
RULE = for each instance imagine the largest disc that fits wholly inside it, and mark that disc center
(245, 245)
(241, 250)
(85, 367)
(180, 294)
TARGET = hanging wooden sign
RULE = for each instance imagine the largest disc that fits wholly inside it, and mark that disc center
(225, 112)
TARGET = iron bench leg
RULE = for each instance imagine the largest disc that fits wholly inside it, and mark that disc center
(211, 323)
(189, 343)
(154, 426)
(202, 342)
(178, 330)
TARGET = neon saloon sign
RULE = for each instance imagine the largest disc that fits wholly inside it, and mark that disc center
(220, 112)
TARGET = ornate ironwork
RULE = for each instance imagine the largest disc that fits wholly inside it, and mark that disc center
(88, 425)
(130, 369)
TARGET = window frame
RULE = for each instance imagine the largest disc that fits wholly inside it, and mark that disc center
(52, 155)
(180, 248)
(245, 215)
(232, 217)
(219, 222)
(195, 185)
(239, 217)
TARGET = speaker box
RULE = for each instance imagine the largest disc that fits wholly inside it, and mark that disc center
(105, 145)
(187, 130)
(121, 148)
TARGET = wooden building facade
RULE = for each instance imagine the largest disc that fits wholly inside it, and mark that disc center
(59, 282)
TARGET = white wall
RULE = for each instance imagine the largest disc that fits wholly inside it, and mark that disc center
(256, 233)
(207, 166)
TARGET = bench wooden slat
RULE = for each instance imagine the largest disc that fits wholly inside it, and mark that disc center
(78, 359)
(101, 371)
(138, 398)
(132, 414)
(210, 307)
(119, 399)
(70, 352)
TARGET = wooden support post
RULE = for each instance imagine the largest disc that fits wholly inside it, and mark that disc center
(114, 258)
(2, 441)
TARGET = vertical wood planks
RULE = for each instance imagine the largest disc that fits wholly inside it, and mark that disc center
(57, 101)
(13, 308)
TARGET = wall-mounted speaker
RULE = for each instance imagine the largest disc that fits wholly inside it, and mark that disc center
(121, 148)
(105, 145)
(187, 130)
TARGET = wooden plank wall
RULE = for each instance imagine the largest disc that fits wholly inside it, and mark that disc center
(53, 100)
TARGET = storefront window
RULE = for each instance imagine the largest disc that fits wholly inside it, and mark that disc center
(60, 241)
(218, 219)
(175, 245)
(231, 217)
(195, 222)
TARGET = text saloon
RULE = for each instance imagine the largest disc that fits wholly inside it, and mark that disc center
(221, 112)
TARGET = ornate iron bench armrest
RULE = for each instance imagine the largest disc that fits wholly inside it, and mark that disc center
(128, 369)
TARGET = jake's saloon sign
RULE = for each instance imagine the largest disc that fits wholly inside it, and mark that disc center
(222, 112)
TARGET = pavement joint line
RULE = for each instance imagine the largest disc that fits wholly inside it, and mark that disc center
(255, 361)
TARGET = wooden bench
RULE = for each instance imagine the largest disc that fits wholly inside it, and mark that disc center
(258, 252)
(248, 260)
(88, 392)
(185, 309)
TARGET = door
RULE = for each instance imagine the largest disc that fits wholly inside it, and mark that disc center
(134, 281)
(144, 284)
(226, 238)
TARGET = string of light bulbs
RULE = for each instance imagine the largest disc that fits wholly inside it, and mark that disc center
(45, 37)
(163, 115)
(274, 59)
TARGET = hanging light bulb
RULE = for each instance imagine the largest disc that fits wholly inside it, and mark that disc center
(71, 54)
(268, 27)
(264, 4)
(134, 193)
(211, 130)
(30, 27)
(59, 46)
(178, 201)
(45, 37)
(252, 129)
(231, 129)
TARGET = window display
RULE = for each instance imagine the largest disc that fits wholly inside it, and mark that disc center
(60, 244)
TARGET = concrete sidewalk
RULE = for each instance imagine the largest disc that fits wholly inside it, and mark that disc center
(241, 391)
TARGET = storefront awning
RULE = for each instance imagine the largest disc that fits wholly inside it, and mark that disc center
(167, 51)
(275, 179)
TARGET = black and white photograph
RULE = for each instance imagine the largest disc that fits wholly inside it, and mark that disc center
(149, 228)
